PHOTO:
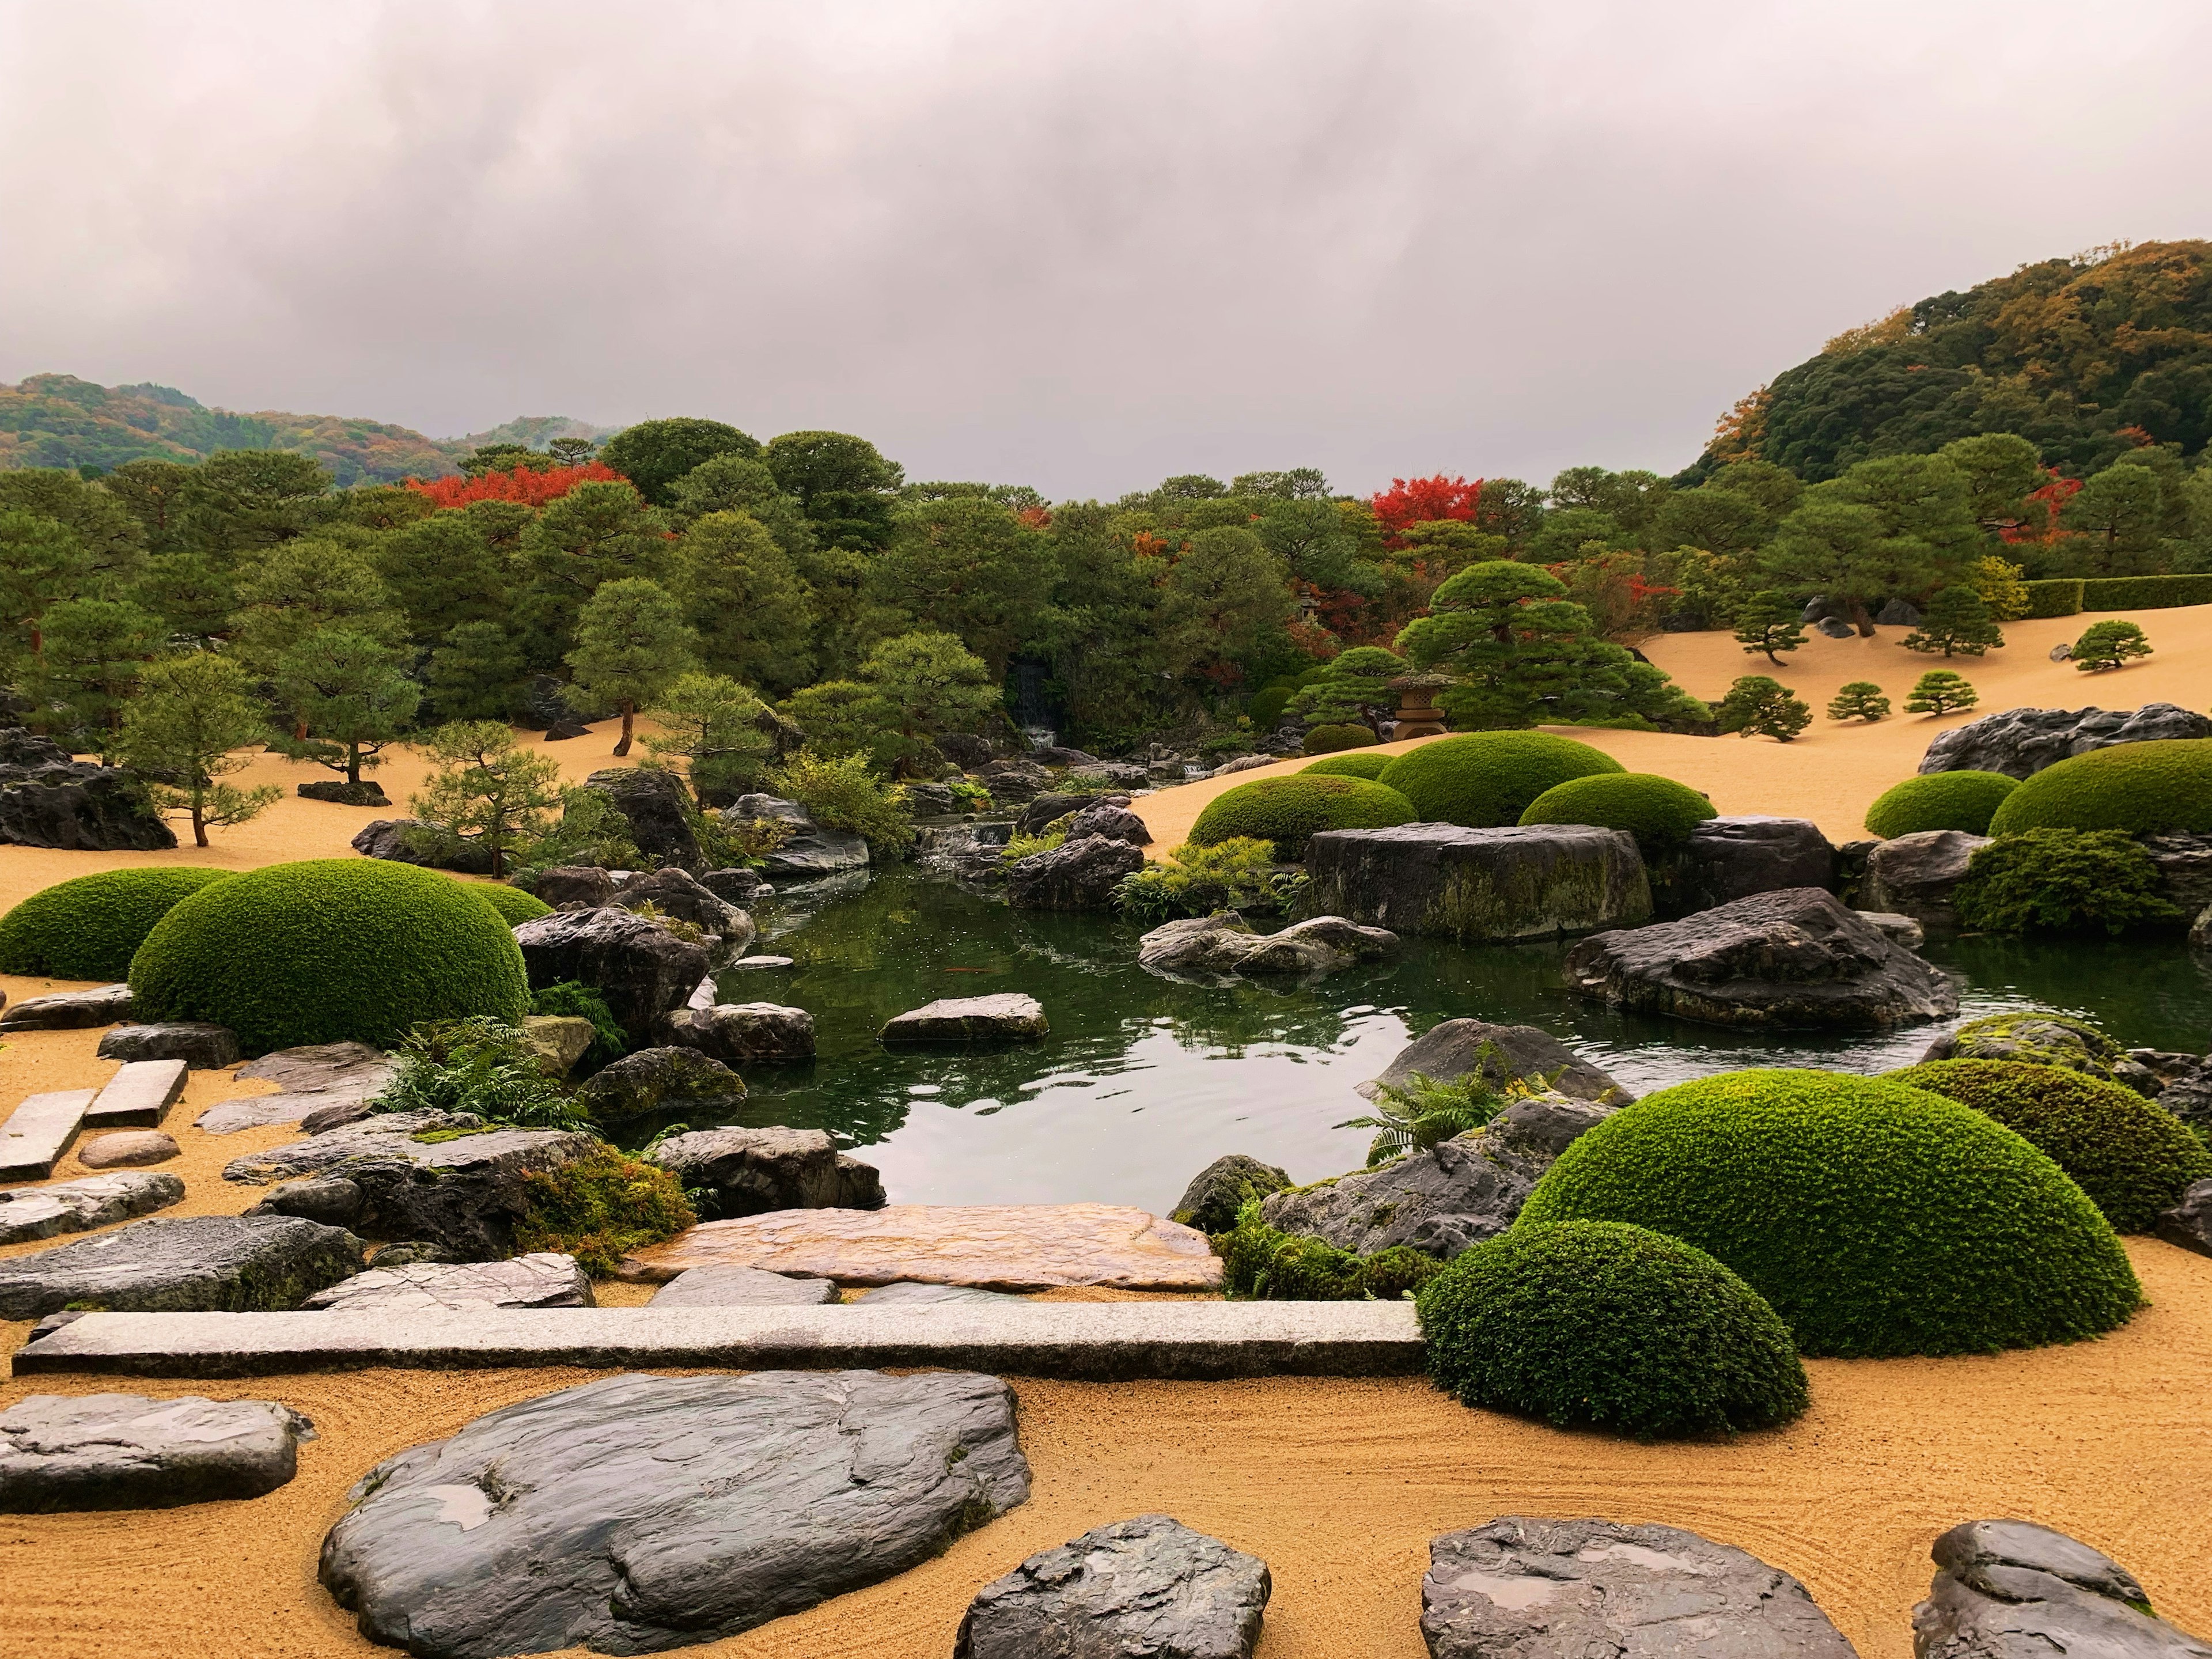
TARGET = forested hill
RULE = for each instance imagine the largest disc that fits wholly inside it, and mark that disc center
(2085, 357)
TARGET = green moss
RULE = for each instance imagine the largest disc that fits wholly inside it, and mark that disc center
(2130, 1155)
(2062, 881)
(1658, 811)
(1328, 739)
(1260, 1264)
(1485, 778)
(514, 906)
(1369, 767)
(91, 927)
(2139, 788)
(330, 950)
(1605, 1325)
(1289, 811)
(599, 1208)
(1876, 1217)
(1940, 800)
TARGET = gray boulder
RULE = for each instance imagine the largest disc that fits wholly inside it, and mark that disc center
(1115, 823)
(637, 1514)
(1225, 943)
(2188, 1095)
(1898, 613)
(2011, 1589)
(641, 969)
(1009, 1016)
(203, 1047)
(47, 799)
(1222, 1187)
(1524, 1589)
(1078, 874)
(1479, 885)
(585, 885)
(1149, 1587)
(1918, 875)
(1012, 781)
(316, 1078)
(1898, 930)
(1835, 628)
(1123, 774)
(1724, 860)
(656, 807)
(326, 1149)
(670, 1079)
(812, 852)
(1049, 808)
(2184, 863)
(124, 1451)
(127, 1149)
(545, 1279)
(677, 893)
(2043, 1039)
(742, 1287)
(1793, 960)
(736, 1032)
(79, 1205)
(338, 792)
(411, 841)
(184, 1264)
(739, 885)
(2188, 1224)
(1505, 1055)
(68, 1010)
(749, 1171)
(2021, 742)
(332, 1199)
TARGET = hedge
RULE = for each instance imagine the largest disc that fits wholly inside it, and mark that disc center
(1349, 765)
(1328, 739)
(1658, 811)
(330, 950)
(514, 906)
(1876, 1219)
(2139, 788)
(1940, 800)
(1289, 811)
(1485, 778)
(2059, 595)
(90, 927)
(2144, 592)
(2064, 881)
(1608, 1326)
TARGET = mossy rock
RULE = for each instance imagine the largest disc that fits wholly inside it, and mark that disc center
(514, 906)
(1488, 779)
(1940, 800)
(1876, 1219)
(1290, 811)
(1350, 765)
(2139, 788)
(330, 950)
(1331, 740)
(1658, 811)
(1259, 1263)
(90, 927)
(2042, 1038)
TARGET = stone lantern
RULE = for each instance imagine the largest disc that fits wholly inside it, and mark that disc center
(1417, 714)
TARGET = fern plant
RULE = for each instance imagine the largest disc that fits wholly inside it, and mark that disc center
(480, 1065)
(1426, 1113)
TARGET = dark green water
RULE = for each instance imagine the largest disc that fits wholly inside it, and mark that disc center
(1145, 1080)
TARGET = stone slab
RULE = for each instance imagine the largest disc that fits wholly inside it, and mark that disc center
(123, 1451)
(312, 1078)
(38, 1132)
(69, 1011)
(1011, 1247)
(1084, 1341)
(544, 1279)
(742, 1287)
(138, 1096)
(1005, 1016)
(78, 1206)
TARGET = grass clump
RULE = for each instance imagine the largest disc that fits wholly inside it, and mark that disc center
(2139, 787)
(601, 1207)
(1236, 874)
(2062, 881)
(90, 927)
(514, 906)
(1486, 779)
(1290, 811)
(1350, 765)
(1261, 1264)
(479, 1065)
(1940, 800)
(1604, 1325)
(1658, 811)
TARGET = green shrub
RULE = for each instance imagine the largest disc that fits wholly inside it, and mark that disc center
(2139, 788)
(1940, 800)
(2143, 592)
(1236, 874)
(480, 1065)
(1658, 811)
(514, 906)
(328, 950)
(1019, 847)
(90, 927)
(1486, 779)
(573, 999)
(1369, 767)
(1604, 1325)
(1260, 1264)
(1329, 740)
(2130, 1155)
(1876, 1217)
(2062, 881)
(599, 1208)
(2060, 596)
(1266, 708)
(845, 793)
(1288, 811)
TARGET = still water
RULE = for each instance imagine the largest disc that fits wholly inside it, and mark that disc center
(1145, 1080)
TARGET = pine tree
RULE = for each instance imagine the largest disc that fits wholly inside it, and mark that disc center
(192, 713)
(488, 790)
(1756, 705)
(713, 724)
(2109, 645)
(1957, 622)
(631, 641)
(352, 695)
(1940, 691)
(1860, 700)
(1769, 623)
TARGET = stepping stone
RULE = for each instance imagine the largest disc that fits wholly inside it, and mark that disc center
(748, 1171)
(184, 1264)
(77, 1206)
(640, 1513)
(542, 1280)
(69, 1011)
(1149, 1586)
(319, 1075)
(124, 1451)
(126, 1148)
(1008, 1017)
(907, 1294)
(761, 962)
(203, 1047)
(138, 1096)
(1015, 1247)
(741, 1287)
(39, 1131)
(2007, 1589)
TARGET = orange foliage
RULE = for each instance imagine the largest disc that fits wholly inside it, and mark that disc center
(531, 486)
(2044, 528)
(1410, 502)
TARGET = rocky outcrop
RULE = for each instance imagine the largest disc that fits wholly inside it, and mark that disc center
(742, 1287)
(749, 1171)
(740, 885)
(2041, 1039)
(332, 1199)
(545, 1279)
(737, 1032)
(77, 1206)
(813, 851)
(1122, 775)
(123, 1451)
(1505, 1055)
(640, 1513)
(2011, 1589)
(1226, 944)
(2021, 742)
(657, 808)
(1479, 885)
(338, 792)
(202, 1046)
(1115, 823)
(68, 1010)
(411, 841)
(1222, 1187)
(1078, 874)
(1794, 960)
(2184, 863)
(1918, 875)
(320, 1077)
(585, 886)
(2188, 1224)
(676, 893)
(1048, 809)
(1724, 860)
(185, 1264)
(1009, 1016)
(642, 969)
(1013, 782)
(49, 799)
(654, 1081)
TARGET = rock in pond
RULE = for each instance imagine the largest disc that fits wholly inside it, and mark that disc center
(124, 1451)
(2188, 1224)
(734, 1032)
(78, 1206)
(1222, 1187)
(2021, 742)
(2011, 1589)
(642, 969)
(1504, 1054)
(641, 1513)
(1918, 875)
(1225, 943)
(545, 1279)
(2040, 1039)
(68, 1010)
(1481, 885)
(749, 1171)
(184, 1264)
(1078, 874)
(1526, 1589)
(1790, 961)
(652, 1080)
(1149, 1587)
(202, 1046)
(127, 1149)
(1724, 860)
(1009, 1016)
(740, 885)
(308, 1080)
(811, 852)
(742, 1287)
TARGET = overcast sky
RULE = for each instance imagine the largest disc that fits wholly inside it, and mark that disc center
(1079, 244)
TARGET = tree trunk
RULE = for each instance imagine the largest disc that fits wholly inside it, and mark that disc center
(629, 711)
(199, 825)
(353, 764)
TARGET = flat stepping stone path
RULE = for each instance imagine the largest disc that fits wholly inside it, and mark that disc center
(906, 1294)
(138, 1096)
(741, 1287)
(310, 1078)
(78, 1206)
(1013, 1247)
(542, 1280)
(124, 1451)
(38, 1132)
(236, 1264)
(640, 1513)
(1008, 1017)
(126, 1148)
(203, 1047)
(1149, 1587)
(68, 1010)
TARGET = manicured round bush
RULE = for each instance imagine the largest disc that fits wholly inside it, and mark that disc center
(1658, 811)
(1369, 767)
(1288, 811)
(514, 906)
(1265, 711)
(328, 950)
(1876, 1217)
(90, 927)
(1940, 800)
(1328, 739)
(1602, 1324)
(1485, 779)
(2130, 1155)
(2139, 788)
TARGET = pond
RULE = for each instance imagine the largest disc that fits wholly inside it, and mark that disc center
(1144, 1080)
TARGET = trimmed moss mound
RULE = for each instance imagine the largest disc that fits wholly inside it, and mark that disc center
(1328, 739)
(2130, 1155)
(2139, 788)
(1876, 1217)
(1486, 779)
(1289, 811)
(330, 950)
(514, 906)
(1940, 800)
(1369, 767)
(1658, 811)
(1261, 1264)
(1604, 1325)
(89, 927)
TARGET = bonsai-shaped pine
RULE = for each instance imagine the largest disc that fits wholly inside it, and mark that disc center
(1958, 622)
(2107, 645)
(1860, 700)
(350, 691)
(713, 724)
(1998, 581)
(932, 684)
(191, 712)
(1940, 691)
(631, 641)
(1354, 690)
(1756, 705)
(487, 790)
(1769, 623)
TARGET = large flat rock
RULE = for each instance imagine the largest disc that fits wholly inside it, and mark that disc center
(38, 1132)
(78, 1206)
(1011, 1247)
(182, 1263)
(124, 1451)
(1007, 1017)
(68, 1010)
(2011, 1589)
(138, 1096)
(747, 1172)
(2021, 742)
(1546, 881)
(542, 1280)
(308, 1080)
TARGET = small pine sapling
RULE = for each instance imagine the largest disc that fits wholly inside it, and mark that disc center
(1860, 700)
(1758, 706)
(2108, 645)
(1958, 623)
(1941, 691)
(1768, 623)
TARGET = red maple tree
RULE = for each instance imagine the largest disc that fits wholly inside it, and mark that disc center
(531, 486)
(1410, 502)
(2053, 495)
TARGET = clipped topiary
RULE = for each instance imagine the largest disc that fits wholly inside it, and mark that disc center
(1876, 1219)
(2064, 881)
(328, 950)
(1371, 767)
(1329, 740)
(2130, 1155)
(1658, 811)
(2139, 788)
(90, 927)
(1485, 778)
(1940, 800)
(1289, 811)
(1608, 1326)
(514, 906)
(1265, 711)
